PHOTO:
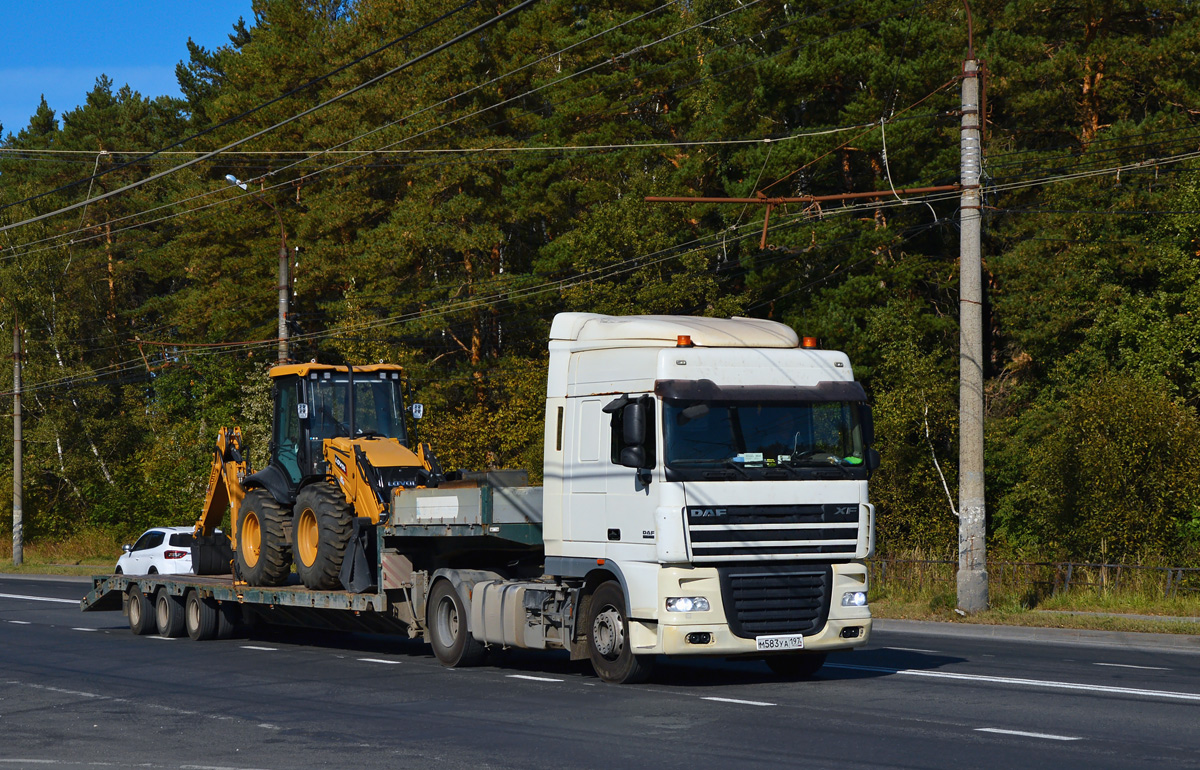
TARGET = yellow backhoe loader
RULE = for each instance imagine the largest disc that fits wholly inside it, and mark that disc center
(339, 447)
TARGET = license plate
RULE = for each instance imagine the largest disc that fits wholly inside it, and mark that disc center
(779, 642)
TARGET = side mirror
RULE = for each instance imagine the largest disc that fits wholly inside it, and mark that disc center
(127, 548)
(634, 456)
(633, 424)
(873, 459)
(868, 424)
(418, 411)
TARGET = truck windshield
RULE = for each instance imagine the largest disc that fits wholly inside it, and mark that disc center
(746, 438)
(378, 407)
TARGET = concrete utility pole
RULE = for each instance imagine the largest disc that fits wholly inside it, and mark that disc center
(972, 521)
(18, 505)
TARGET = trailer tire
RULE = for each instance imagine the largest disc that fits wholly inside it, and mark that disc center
(322, 525)
(264, 557)
(800, 665)
(168, 614)
(229, 620)
(446, 618)
(141, 612)
(201, 617)
(608, 638)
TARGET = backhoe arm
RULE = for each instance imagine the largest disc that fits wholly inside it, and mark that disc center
(224, 481)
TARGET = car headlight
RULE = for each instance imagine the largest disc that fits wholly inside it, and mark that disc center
(687, 604)
(854, 599)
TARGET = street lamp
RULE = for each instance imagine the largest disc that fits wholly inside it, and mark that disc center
(284, 284)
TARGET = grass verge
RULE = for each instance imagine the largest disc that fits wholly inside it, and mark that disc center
(88, 552)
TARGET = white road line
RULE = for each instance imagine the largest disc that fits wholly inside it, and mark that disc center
(380, 660)
(1025, 682)
(39, 599)
(910, 649)
(84, 629)
(737, 700)
(534, 678)
(20, 622)
(254, 647)
(1129, 665)
(1023, 734)
(164, 638)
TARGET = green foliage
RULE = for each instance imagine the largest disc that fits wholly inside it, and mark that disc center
(442, 249)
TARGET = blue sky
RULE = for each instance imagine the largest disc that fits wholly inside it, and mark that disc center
(59, 48)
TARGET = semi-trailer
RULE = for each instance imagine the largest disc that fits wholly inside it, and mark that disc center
(705, 493)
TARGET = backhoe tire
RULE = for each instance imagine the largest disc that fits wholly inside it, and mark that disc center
(141, 612)
(446, 617)
(608, 638)
(200, 616)
(168, 614)
(322, 524)
(264, 557)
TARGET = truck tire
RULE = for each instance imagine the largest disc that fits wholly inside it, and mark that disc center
(141, 612)
(321, 528)
(446, 618)
(168, 614)
(800, 665)
(264, 557)
(200, 616)
(229, 620)
(608, 638)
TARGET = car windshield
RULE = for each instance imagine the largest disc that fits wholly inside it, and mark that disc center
(378, 407)
(762, 434)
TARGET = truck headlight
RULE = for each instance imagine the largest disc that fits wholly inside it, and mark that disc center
(687, 604)
(854, 599)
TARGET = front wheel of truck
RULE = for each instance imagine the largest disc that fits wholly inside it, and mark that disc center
(608, 638)
(446, 619)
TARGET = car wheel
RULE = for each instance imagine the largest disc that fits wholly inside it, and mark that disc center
(118, 571)
(141, 612)
(168, 614)
(153, 571)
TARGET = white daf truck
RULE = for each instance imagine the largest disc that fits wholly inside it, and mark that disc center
(705, 494)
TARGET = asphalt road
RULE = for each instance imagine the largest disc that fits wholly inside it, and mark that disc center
(79, 690)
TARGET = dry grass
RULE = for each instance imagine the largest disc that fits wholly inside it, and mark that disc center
(90, 551)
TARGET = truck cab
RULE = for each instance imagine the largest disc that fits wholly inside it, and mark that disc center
(717, 469)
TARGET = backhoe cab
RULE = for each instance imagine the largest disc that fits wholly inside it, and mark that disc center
(339, 447)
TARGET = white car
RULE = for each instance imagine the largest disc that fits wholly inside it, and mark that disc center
(161, 550)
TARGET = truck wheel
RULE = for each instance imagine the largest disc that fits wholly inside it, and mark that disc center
(141, 612)
(263, 555)
(229, 620)
(200, 617)
(446, 619)
(801, 665)
(608, 638)
(323, 523)
(168, 614)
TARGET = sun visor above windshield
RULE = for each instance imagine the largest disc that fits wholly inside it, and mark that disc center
(707, 390)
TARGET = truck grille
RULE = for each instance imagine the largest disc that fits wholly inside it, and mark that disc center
(742, 533)
(775, 599)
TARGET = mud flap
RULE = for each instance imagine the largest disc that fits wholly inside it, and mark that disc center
(211, 555)
(358, 566)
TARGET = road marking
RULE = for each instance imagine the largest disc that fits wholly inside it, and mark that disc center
(380, 660)
(1023, 734)
(737, 700)
(534, 678)
(264, 649)
(20, 622)
(84, 629)
(164, 638)
(910, 649)
(1129, 665)
(1026, 682)
(39, 599)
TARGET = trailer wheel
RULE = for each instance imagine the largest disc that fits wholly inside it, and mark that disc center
(446, 618)
(141, 612)
(800, 665)
(608, 638)
(168, 614)
(264, 557)
(200, 617)
(229, 620)
(323, 523)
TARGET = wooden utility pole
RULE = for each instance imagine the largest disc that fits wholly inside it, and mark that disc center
(972, 519)
(18, 512)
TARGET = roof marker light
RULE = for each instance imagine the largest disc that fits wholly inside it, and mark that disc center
(684, 341)
(809, 342)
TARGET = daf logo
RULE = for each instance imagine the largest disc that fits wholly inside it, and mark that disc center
(700, 513)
